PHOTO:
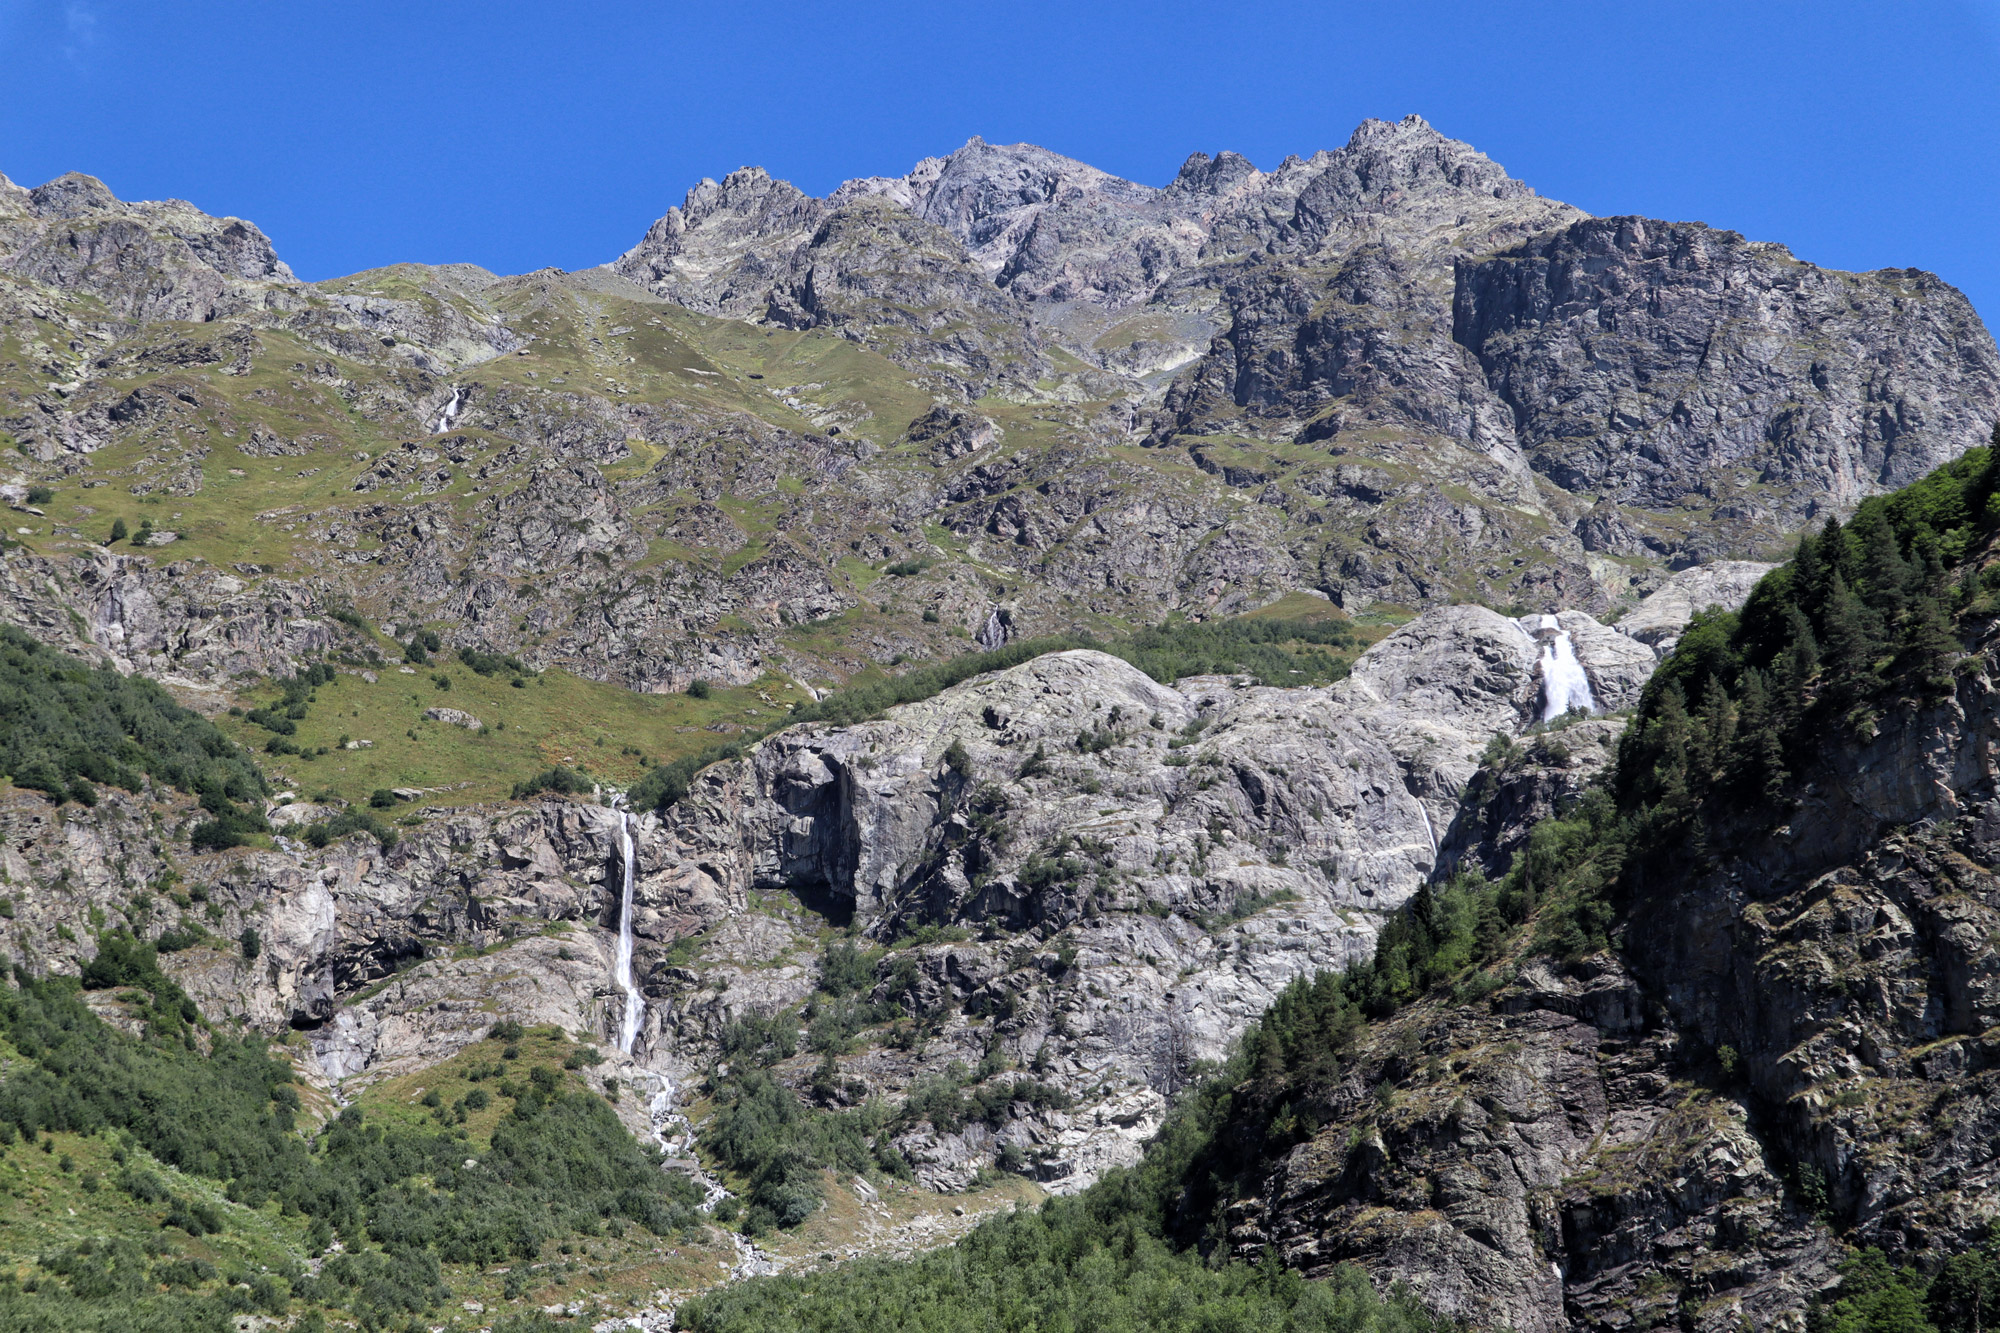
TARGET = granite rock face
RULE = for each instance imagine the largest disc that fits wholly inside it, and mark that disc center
(1650, 362)
(1544, 1161)
(1402, 314)
(1657, 621)
(1082, 872)
(143, 262)
(1785, 1054)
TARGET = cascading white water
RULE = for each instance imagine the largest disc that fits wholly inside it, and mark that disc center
(621, 966)
(1430, 829)
(449, 414)
(1564, 684)
(993, 634)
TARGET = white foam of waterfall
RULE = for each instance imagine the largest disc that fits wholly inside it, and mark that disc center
(450, 412)
(1564, 684)
(674, 1133)
(994, 633)
(621, 966)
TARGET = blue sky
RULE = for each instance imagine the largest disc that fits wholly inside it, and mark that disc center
(1863, 135)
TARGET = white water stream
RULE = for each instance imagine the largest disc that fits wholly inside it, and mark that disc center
(621, 965)
(993, 634)
(1564, 684)
(449, 414)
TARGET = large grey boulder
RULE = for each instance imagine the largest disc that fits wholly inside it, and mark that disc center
(1659, 618)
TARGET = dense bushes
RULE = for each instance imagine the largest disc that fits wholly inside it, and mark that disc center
(1874, 1296)
(565, 781)
(1252, 646)
(422, 644)
(401, 1200)
(1082, 1263)
(493, 664)
(762, 1131)
(65, 726)
(667, 783)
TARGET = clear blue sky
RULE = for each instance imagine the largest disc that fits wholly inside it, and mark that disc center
(515, 135)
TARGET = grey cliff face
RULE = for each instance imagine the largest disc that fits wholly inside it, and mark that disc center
(1645, 361)
(73, 234)
(1786, 1056)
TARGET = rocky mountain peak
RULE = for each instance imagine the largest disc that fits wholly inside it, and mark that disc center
(73, 195)
(1414, 175)
(146, 260)
(1205, 175)
(741, 190)
(988, 195)
(743, 225)
(1052, 228)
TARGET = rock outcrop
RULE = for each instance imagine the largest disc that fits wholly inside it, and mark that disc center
(1784, 1055)
(1658, 620)
(1648, 363)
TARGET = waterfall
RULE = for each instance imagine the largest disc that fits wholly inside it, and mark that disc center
(994, 633)
(621, 966)
(1564, 685)
(449, 414)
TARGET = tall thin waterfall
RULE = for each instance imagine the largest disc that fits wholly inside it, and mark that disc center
(449, 414)
(621, 966)
(1564, 685)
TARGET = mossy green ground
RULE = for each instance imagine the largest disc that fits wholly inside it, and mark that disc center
(59, 1189)
(44, 1206)
(606, 732)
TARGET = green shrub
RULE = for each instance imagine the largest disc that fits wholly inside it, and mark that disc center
(65, 726)
(957, 760)
(350, 821)
(492, 664)
(560, 779)
(845, 968)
